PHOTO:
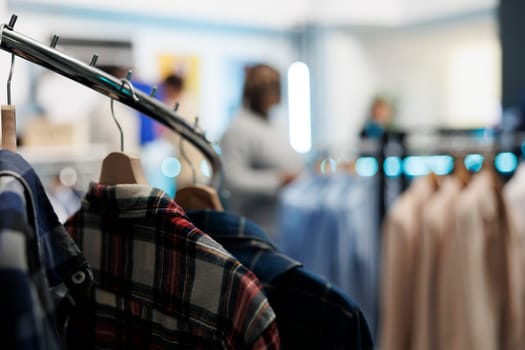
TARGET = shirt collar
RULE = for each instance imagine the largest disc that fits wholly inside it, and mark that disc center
(240, 234)
(228, 225)
(40, 213)
(129, 199)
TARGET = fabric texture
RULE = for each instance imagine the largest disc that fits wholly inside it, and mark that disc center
(160, 281)
(514, 194)
(311, 313)
(402, 231)
(255, 154)
(481, 279)
(42, 272)
(331, 225)
(437, 225)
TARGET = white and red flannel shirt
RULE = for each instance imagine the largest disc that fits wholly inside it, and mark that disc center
(160, 282)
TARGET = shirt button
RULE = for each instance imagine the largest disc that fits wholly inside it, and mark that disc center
(78, 277)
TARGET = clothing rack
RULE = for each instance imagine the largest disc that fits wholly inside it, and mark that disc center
(499, 141)
(106, 84)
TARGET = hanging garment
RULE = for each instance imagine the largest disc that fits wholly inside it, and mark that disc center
(402, 231)
(42, 272)
(331, 225)
(160, 281)
(311, 313)
(481, 303)
(514, 193)
(434, 231)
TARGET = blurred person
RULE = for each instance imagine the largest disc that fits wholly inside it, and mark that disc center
(379, 119)
(257, 157)
(172, 88)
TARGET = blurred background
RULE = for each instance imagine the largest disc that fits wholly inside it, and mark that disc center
(440, 61)
(438, 72)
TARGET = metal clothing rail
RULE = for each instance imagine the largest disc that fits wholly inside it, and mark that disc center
(106, 84)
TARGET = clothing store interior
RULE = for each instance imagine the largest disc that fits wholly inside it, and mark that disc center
(262, 174)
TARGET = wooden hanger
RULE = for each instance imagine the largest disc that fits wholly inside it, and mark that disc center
(434, 181)
(461, 173)
(8, 114)
(120, 168)
(196, 197)
(490, 167)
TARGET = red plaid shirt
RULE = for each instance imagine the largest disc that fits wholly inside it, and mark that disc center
(160, 282)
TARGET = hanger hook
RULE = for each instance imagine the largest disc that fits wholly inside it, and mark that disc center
(10, 78)
(131, 89)
(188, 160)
(11, 24)
(127, 81)
(118, 126)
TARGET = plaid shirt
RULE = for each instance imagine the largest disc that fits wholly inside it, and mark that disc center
(42, 272)
(160, 281)
(311, 314)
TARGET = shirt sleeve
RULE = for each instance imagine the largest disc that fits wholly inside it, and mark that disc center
(397, 274)
(27, 313)
(254, 321)
(269, 339)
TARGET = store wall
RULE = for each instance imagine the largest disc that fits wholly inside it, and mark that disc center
(218, 48)
(443, 74)
(346, 82)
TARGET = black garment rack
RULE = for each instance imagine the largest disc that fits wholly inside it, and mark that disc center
(501, 141)
(106, 84)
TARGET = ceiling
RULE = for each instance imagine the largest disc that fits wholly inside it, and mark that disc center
(279, 14)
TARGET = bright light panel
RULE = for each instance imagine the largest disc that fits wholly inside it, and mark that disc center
(415, 166)
(171, 167)
(474, 162)
(366, 166)
(440, 165)
(299, 107)
(392, 166)
(506, 162)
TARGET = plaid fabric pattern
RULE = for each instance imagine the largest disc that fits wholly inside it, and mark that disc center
(160, 281)
(311, 313)
(42, 272)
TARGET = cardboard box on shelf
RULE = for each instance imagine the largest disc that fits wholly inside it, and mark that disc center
(42, 132)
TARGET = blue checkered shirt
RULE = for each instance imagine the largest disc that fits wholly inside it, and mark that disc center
(42, 271)
(311, 313)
